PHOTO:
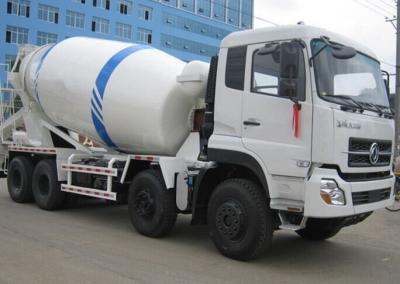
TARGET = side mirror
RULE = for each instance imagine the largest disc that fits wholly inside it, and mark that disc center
(288, 88)
(343, 52)
(290, 54)
(272, 48)
(386, 80)
(268, 49)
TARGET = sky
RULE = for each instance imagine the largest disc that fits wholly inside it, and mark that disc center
(347, 17)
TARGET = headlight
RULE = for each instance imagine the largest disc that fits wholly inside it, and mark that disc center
(330, 193)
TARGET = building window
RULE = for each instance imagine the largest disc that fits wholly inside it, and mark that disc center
(233, 12)
(46, 38)
(16, 35)
(9, 62)
(145, 13)
(204, 7)
(219, 9)
(196, 27)
(75, 19)
(188, 45)
(144, 36)
(124, 30)
(125, 7)
(247, 14)
(18, 7)
(105, 4)
(100, 25)
(48, 13)
(80, 1)
(170, 2)
(187, 5)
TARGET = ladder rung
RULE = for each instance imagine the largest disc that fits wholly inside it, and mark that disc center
(92, 192)
(89, 169)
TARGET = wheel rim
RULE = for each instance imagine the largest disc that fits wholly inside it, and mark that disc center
(144, 204)
(17, 181)
(231, 221)
(44, 185)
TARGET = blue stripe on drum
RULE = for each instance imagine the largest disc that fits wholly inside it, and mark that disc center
(38, 70)
(101, 84)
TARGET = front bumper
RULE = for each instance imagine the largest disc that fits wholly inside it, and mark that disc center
(315, 207)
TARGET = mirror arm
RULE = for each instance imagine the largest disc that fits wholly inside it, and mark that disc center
(387, 82)
(317, 53)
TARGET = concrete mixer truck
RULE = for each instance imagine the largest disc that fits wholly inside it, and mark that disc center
(287, 128)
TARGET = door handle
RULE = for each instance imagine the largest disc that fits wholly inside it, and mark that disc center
(251, 123)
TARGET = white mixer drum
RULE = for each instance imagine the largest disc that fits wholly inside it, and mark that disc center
(122, 95)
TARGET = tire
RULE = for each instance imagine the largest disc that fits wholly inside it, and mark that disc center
(45, 186)
(19, 179)
(152, 208)
(320, 229)
(240, 222)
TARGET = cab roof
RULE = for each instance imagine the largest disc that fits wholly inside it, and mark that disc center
(304, 32)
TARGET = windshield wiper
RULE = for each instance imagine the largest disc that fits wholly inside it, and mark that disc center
(387, 111)
(347, 98)
(372, 107)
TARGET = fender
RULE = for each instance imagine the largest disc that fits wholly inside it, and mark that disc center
(227, 157)
(239, 158)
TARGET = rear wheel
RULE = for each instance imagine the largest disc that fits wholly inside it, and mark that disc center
(152, 208)
(46, 188)
(239, 219)
(19, 179)
(320, 229)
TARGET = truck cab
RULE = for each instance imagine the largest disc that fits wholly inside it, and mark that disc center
(336, 131)
(306, 111)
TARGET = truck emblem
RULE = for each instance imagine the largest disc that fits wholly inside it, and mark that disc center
(348, 124)
(374, 153)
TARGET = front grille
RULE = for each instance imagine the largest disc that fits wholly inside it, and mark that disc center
(355, 177)
(359, 152)
(365, 197)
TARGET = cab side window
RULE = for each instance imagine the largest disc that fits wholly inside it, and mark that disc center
(236, 67)
(266, 70)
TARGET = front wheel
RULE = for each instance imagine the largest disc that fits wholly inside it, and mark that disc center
(320, 229)
(240, 221)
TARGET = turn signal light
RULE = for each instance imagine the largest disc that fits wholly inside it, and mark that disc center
(331, 194)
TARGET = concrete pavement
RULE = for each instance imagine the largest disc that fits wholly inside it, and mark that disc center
(95, 243)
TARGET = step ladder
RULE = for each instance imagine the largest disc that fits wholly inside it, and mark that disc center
(110, 172)
(10, 103)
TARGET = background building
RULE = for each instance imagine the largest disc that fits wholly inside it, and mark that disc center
(188, 29)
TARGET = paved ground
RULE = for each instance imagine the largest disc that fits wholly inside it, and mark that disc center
(95, 243)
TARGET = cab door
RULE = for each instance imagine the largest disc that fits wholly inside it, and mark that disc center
(269, 120)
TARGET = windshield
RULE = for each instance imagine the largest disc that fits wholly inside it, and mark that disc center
(358, 78)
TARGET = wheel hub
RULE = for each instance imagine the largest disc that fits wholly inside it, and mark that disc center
(230, 220)
(144, 204)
